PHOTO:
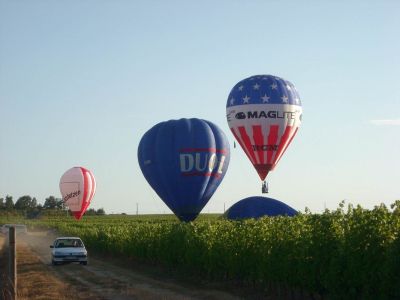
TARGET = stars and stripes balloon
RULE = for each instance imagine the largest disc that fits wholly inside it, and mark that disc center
(77, 186)
(264, 113)
(184, 161)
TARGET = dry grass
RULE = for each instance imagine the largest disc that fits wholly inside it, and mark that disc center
(38, 281)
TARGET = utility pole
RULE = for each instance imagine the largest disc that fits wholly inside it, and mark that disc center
(12, 263)
(137, 208)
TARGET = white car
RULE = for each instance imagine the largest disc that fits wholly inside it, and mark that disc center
(68, 249)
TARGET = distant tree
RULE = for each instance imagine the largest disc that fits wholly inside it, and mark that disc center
(53, 203)
(100, 212)
(34, 203)
(396, 207)
(25, 203)
(2, 204)
(9, 204)
(90, 212)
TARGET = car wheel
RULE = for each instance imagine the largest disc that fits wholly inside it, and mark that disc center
(83, 263)
(53, 262)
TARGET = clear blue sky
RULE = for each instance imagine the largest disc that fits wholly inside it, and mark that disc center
(82, 81)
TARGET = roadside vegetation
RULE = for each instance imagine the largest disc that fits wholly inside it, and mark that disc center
(28, 207)
(346, 253)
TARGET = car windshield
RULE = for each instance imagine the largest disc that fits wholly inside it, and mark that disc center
(64, 243)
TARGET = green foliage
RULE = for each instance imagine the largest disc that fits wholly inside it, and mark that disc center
(338, 254)
(9, 203)
(100, 212)
(93, 212)
(52, 202)
(25, 203)
(29, 207)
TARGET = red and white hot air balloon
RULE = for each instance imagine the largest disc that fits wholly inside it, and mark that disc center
(264, 113)
(77, 186)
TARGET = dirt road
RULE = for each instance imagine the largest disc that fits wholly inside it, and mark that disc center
(38, 279)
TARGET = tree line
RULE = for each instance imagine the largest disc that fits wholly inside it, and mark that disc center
(31, 206)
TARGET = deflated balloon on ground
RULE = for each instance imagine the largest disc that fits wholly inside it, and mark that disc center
(257, 207)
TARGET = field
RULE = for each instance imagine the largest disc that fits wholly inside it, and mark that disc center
(341, 254)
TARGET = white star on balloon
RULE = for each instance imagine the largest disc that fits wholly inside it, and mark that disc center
(246, 99)
(232, 101)
(288, 87)
(256, 86)
(296, 100)
(265, 98)
(274, 86)
(241, 88)
(284, 99)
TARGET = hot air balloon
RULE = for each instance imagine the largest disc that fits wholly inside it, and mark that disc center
(184, 161)
(257, 207)
(77, 186)
(264, 113)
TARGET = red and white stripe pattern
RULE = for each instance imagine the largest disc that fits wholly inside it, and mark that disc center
(264, 131)
(77, 186)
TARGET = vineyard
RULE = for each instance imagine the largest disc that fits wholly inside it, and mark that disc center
(341, 254)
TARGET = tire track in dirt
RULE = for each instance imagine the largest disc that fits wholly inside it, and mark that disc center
(103, 280)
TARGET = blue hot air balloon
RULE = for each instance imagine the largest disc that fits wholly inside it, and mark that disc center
(184, 161)
(257, 207)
